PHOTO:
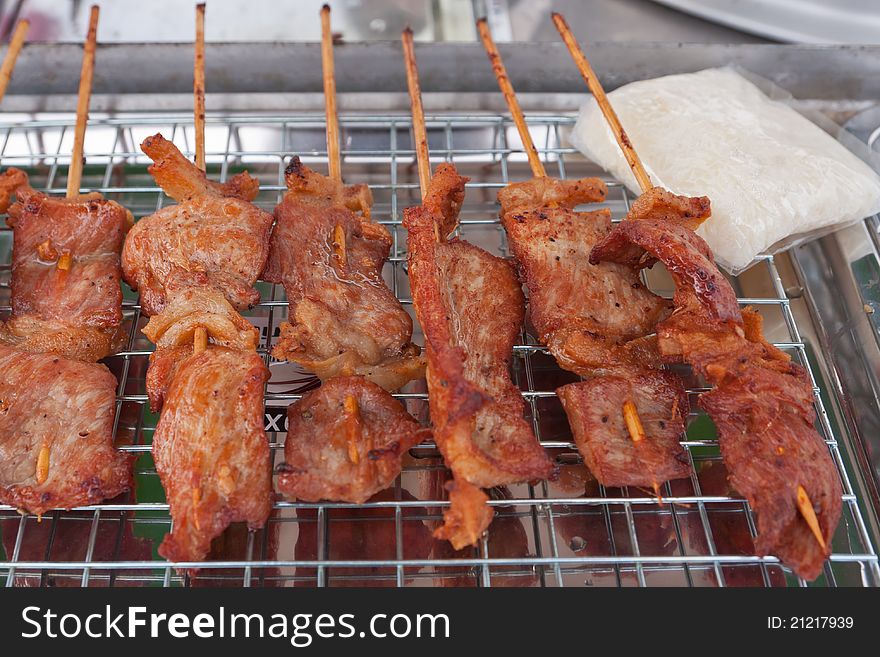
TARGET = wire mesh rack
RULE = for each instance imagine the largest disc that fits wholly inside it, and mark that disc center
(566, 532)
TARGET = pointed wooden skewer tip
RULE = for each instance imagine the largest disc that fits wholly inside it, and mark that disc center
(353, 426)
(420, 135)
(592, 80)
(633, 422)
(339, 249)
(42, 468)
(510, 98)
(87, 73)
(637, 433)
(15, 46)
(805, 506)
(328, 68)
(199, 86)
(200, 339)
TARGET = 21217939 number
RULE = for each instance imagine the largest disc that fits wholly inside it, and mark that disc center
(810, 623)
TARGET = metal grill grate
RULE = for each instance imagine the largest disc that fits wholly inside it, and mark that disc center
(569, 532)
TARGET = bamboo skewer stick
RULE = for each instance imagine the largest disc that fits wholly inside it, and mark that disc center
(805, 506)
(633, 422)
(510, 97)
(352, 427)
(15, 45)
(74, 175)
(42, 470)
(200, 339)
(334, 160)
(636, 432)
(339, 249)
(592, 80)
(199, 86)
(200, 335)
(420, 134)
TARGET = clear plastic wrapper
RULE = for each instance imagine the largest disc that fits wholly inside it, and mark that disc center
(775, 178)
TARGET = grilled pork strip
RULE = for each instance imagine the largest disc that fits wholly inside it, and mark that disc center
(329, 255)
(211, 452)
(345, 442)
(596, 319)
(66, 297)
(214, 236)
(600, 433)
(56, 433)
(760, 401)
(470, 306)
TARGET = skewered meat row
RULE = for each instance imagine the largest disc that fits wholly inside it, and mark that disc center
(761, 402)
(328, 254)
(470, 306)
(66, 297)
(49, 457)
(66, 313)
(195, 264)
(345, 441)
(597, 320)
(66, 309)
(213, 237)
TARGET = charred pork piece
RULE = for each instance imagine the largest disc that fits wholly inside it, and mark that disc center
(214, 236)
(66, 297)
(56, 433)
(328, 254)
(211, 452)
(345, 441)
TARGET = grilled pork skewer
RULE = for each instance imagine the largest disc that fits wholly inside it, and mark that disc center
(66, 303)
(761, 402)
(470, 306)
(195, 265)
(346, 439)
(213, 241)
(595, 320)
(66, 298)
(329, 254)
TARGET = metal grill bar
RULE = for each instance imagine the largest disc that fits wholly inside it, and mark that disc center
(569, 532)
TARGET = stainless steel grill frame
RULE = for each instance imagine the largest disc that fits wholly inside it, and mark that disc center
(693, 538)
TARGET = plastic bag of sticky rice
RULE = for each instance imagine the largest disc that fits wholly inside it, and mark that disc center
(774, 177)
